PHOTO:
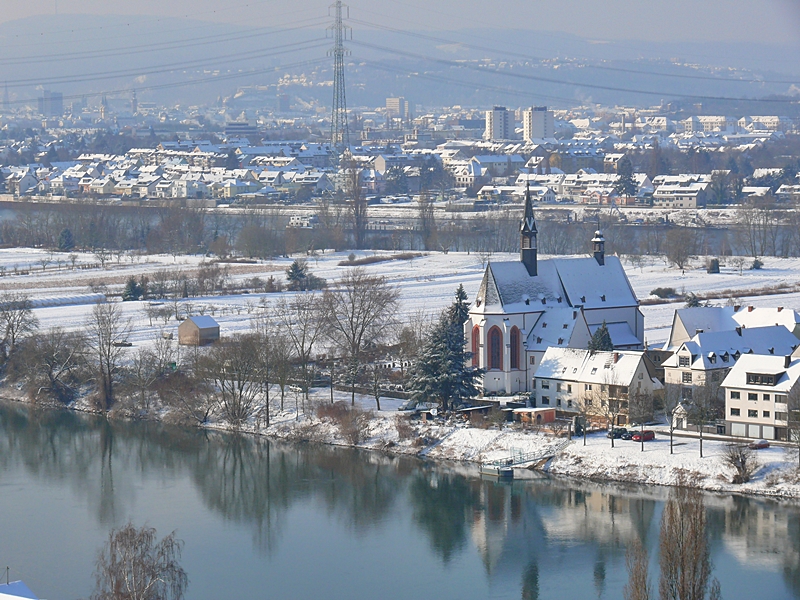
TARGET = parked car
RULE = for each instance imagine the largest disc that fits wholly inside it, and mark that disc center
(616, 432)
(408, 405)
(645, 435)
(626, 436)
(758, 445)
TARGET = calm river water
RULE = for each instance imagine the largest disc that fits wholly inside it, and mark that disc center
(268, 520)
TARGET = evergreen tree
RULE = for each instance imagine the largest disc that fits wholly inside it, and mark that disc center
(132, 291)
(296, 274)
(66, 241)
(601, 340)
(625, 185)
(442, 373)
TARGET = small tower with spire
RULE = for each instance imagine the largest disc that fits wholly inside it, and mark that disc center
(599, 247)
(528, 233)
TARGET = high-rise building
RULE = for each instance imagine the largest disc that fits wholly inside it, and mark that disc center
(51, 104)
(499, 124)
(398, 107)
(537, 123)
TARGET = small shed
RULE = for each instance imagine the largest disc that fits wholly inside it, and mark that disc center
(198, 331)
(537, 416)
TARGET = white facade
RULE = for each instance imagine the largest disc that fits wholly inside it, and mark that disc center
(499, 124)
(537, 123)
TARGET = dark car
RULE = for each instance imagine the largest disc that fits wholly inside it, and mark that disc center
(616, 433)
(644, 436)
(626, 436)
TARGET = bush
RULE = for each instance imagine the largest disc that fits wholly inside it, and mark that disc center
(664, 292)
(405, 430)
(742, 459)
(352, 422)
(757, 264)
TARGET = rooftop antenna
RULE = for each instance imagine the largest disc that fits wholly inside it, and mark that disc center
(340, 134)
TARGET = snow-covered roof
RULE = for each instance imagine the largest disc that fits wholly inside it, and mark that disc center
(588, 283)
(555, 327)
(204, 322)
(15, 590)
(710, 350)
(786, 377)
(621, 334)
(572, 364)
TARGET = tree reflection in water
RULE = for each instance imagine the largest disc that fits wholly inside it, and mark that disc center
(524, 532)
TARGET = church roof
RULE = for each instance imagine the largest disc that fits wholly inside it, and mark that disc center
(554, 327)
(559, 282)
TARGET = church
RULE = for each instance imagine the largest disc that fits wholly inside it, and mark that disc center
(524, 307)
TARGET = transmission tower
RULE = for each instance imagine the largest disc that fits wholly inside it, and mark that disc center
(340, 134)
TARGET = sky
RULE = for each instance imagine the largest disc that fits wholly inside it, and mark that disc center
(765, 21)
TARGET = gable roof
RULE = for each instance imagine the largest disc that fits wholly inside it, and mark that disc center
(204, 322)
(571, 364)
(594, 286)
(772, 365)
(16, 589)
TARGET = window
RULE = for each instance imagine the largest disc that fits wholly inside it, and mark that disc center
(752, 396)
(683, 361)
(641, 375)
(780, 398)
(587, 387)
(534, 383)
(760, 379)
(546, 400)
(495, 348)
(765, 414)
(476, 345)
(533, 360)
(558, 387)
(545, 385)
(765, 396)
(594, 370)
(753, 414)
(514, 337)
(735, 395)
(569, 403)
(558, 401)
(588, 401)
(569, 388)
(781, 416)
(735, 412)
(686, 377)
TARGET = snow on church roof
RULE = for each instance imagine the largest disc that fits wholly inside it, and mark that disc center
(621, 334)
(594, 286)
(553, 328)
(508, 283)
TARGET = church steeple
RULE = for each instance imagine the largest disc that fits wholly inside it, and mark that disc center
(528, 232)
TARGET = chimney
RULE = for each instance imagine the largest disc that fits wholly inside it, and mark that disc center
(749, 309)
(739, 331)
(599, 248)
(736, 307)
(787, 360)
(780, 308)
(616, 357)
(696, 331)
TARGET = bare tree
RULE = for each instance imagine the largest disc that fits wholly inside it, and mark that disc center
(685, 557)
(742, 459)
(192, 398)
(603, 401)
(681, 243)
(134, 565)
(640, 410)
(236, 368)
(705, 407)
(793, 419)
(427, 223)
(300, 320)
(356, 204)
(106, 328)
(52, 362)
(671, 401)
(141, 374)
(636, 560)
(16, 320)
(357, 314)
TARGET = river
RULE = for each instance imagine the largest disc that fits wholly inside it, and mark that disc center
(262, 519)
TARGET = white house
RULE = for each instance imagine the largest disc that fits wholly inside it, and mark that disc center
(569, 377)
(757, 391)
(523, 307)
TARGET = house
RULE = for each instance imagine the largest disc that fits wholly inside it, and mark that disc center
(688, 322)
(523, 307)
(757, 392)
(198, 331)
(708, 357)
(690, 195)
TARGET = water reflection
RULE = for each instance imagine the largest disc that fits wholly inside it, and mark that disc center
(525, 534)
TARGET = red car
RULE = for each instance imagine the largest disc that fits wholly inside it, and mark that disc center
(758, 445)
(645, 435)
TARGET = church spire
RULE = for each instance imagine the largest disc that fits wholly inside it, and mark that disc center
(528, 232)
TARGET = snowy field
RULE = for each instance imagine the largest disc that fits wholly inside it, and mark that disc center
(426, 285)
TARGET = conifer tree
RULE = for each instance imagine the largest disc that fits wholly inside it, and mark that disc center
(601, 340)
(625, 185)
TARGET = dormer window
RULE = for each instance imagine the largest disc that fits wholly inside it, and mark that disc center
(683, 361)
(763, 378)
(594, 370)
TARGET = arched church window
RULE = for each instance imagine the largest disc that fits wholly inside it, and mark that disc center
(476, 345)
(514, 348)
(495, 348)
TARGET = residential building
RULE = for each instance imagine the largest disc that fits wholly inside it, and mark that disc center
(707, 358)
(757, 392)
(570, 378)
(537, 123)
(499, 124)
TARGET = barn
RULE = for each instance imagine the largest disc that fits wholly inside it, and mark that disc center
(198, 331)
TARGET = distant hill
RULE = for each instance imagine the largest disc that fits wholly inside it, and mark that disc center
(89, 54)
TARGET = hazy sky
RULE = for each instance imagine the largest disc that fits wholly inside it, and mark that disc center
(764, 21)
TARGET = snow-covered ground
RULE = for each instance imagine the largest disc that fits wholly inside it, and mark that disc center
(427, 285)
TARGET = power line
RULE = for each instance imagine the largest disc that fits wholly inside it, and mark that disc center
(558, 81)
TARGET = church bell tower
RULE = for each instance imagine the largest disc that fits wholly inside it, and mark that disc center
(528, 232)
